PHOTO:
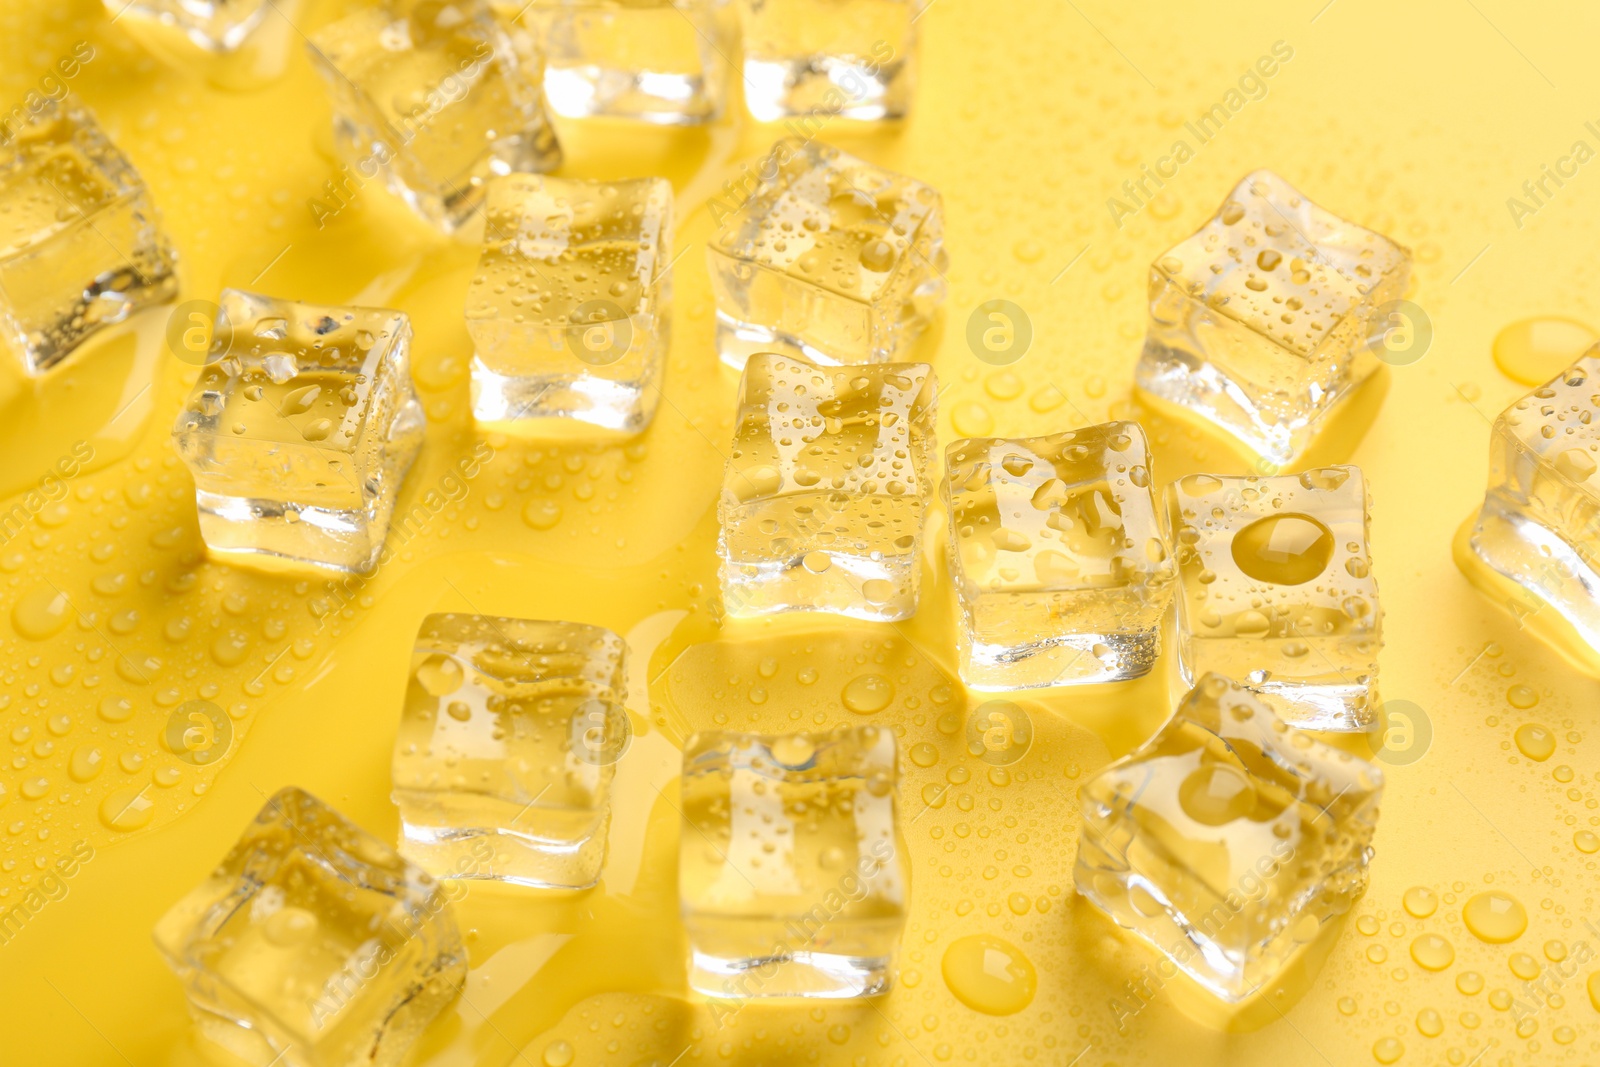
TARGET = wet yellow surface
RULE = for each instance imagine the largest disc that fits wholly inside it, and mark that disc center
(1420, 121)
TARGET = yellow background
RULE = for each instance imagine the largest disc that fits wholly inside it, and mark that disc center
(1417, 119)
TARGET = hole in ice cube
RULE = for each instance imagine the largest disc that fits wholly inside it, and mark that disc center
(1283, 549)
(1217, 794)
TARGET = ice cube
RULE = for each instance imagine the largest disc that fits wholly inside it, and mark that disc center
(826, 491)
(81, 245)
(825, 256)
(570, 308)
(1540, 521)
(1268, 317)
(1277, 590)
(1059, 561)
(820, 59)
(792, 875)
(1228, 839)
(662, 61)
(503, 763)
(300, 430)
(314, 944)
(238, 44)
(435, 95)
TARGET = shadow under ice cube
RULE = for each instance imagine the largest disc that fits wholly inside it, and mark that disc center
(1060, 565)
(825, 494)
(1269, 316)
(792, 874)
(300, 431)
(314, 944)
(1228, 840)
(504, 759)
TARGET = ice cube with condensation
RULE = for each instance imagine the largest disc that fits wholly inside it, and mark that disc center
(1229, 841)
(817, 60)
(570, 307)
(1269, 316)
(1539, 525)
(436, 96)
(826, 489)
(1058, 557)
(313, 943)
(792, 874)
(81, 244)
(300, 430)
(1276, 590)
(660, 61)
(506, 750)
(235, 44)
(825, 256)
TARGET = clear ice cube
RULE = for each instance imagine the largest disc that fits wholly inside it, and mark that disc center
(792, 875)
(1058, 557)
(314, 944)
(437, 96)
(1276, 589)
(300, 430)
(826, 257)
(1265, 319)
(1228, 840)
(1540, 521)
(504, 759)
(81, 245)
(827, 488)
(661, 61)
(853, 59)
(238, 44)
(570, 308)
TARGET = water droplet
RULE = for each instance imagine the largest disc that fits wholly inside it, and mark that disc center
(541, 514)
(1522, 696)
(1535, 350)
(867, 693)
(1429, 1023)
(1388, 1049)
(126, 809)
(1535, 742)
(557, 1054)
(1420, 901)
(989, 975)
(1433, 952)
(40, 613)
(1495, 917)
(972, 419)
